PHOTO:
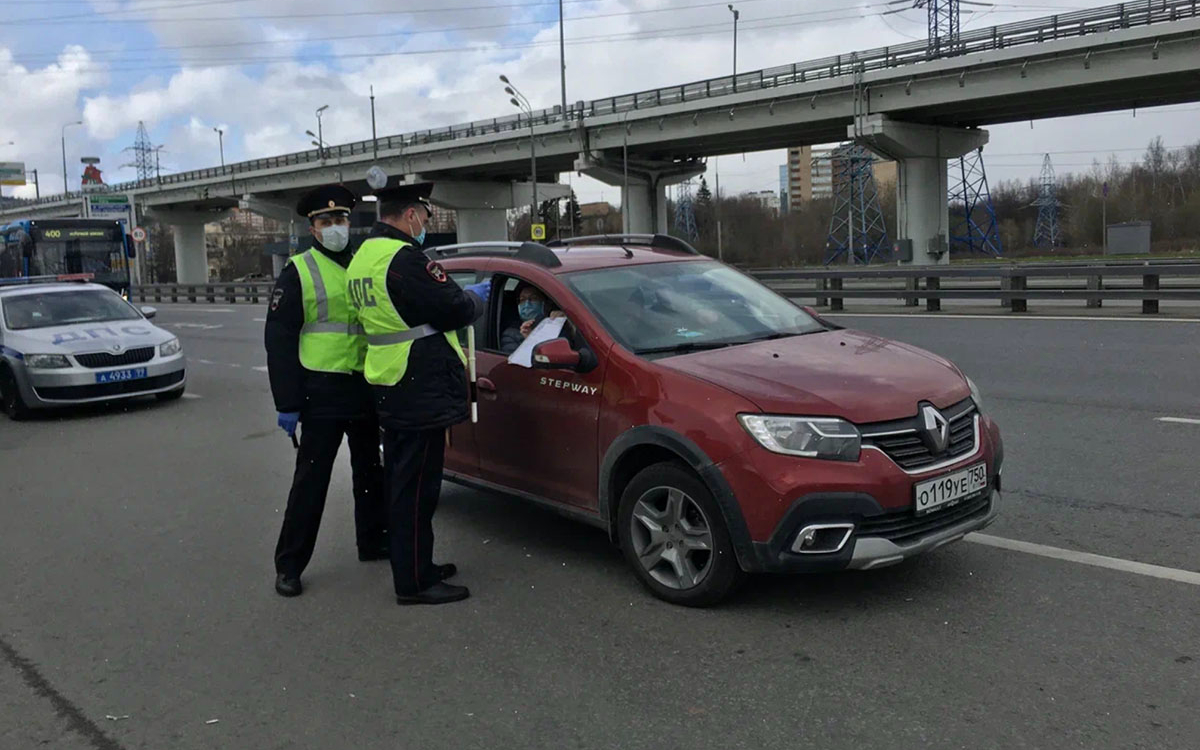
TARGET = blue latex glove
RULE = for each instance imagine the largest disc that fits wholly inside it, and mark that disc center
(483, 289)
(287, 422)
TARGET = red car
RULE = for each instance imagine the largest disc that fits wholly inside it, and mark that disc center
(709, 425)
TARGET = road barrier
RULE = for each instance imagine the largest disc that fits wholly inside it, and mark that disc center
(1012, 285)
(243, 291)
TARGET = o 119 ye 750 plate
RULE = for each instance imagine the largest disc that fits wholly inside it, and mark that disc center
(948, 490)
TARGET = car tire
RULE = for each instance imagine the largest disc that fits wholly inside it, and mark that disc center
(10, 396)
(174, 395)
(673, 562)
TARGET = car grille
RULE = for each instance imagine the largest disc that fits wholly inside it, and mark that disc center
(109, 390)
(98, 360)
(903, 444)
(902, 527)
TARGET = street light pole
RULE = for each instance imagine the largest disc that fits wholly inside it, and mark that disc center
(321, 133)
(64, 153)
(221, 140)
(562, 61)
(736, 14)
(374, 138)
(519, 101)
(157, 169)
(625, 178)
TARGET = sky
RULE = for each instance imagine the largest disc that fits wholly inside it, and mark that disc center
(258, 70)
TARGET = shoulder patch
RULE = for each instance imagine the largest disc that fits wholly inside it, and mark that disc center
(276, 298)
(437, 272)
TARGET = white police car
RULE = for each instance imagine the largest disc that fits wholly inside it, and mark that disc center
(73, 343)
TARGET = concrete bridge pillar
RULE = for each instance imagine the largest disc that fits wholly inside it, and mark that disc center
(644, 201)
(481, 208)
(191, 254)
(921, 152)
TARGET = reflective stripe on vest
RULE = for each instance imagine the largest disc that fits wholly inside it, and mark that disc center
(389, 338)
(329, 341)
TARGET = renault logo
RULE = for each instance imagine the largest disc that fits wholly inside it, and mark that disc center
(935, 430)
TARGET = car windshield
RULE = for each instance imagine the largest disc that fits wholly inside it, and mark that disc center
(677, 307)
(65, 308)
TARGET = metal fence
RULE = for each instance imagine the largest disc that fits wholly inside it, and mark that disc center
(1020, 33)
(252, 292)
(1013, 286)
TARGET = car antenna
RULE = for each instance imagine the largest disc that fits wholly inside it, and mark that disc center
(628, 252)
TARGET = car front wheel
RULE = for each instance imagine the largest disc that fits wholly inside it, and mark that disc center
(10, 396)
(673, 534)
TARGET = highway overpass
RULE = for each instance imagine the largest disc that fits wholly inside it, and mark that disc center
(896, 100)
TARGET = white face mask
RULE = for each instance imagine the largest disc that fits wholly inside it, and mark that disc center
(335, 238)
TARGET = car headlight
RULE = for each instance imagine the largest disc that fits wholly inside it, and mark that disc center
(46, 361)
(975, 394)
(812, 437)
(169, 348)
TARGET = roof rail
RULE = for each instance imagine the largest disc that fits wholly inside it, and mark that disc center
(527, 251)
(660, 241)
(48, 279)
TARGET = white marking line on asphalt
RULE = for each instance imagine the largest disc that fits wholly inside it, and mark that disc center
(193, 308)
(260, 369)
(1016, 316)
(1177, 420)
(260, 320)
(205, 361)
(192, 395)
(1087, 558)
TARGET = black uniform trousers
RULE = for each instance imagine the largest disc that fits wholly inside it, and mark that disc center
(412, 482)
(320, 440)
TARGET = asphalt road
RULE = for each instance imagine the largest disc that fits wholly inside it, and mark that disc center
(136, 584)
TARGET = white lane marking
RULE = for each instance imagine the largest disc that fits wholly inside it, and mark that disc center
(260, 320)
(201, 326)
(1012, 316)
(260, 369)
(193, 308)
(204, 361)
(192, 395)
(1177, 420)
(1087, 558)
(231, 364)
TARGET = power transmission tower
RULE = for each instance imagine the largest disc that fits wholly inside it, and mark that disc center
(945, 23)
(143, 154)
(973, 223)
(685, 214)
(857, 229)
(1045, 234)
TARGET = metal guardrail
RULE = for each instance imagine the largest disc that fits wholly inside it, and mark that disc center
(1008, 284)
(1020, 33)
(241, 291)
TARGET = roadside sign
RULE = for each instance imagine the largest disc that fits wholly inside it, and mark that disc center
(109, 204)
(139, 234)
(12, 173)
(538, 232)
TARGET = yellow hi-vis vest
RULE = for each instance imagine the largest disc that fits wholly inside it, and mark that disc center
(329, 342)
(389, 338)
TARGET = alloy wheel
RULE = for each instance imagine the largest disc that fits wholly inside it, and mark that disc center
(672, 538)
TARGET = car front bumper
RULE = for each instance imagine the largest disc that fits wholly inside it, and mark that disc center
(43, 389)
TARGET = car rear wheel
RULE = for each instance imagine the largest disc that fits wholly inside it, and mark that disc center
(10, 396)
(674, 536)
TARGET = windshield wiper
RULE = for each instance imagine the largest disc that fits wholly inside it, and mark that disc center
(686, 346)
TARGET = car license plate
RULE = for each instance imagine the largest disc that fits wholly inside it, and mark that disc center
(948, 490)
(117, 376)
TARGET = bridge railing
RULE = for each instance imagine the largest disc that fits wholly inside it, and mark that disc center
(254, 292)
(1013, 286)
(1020, 33)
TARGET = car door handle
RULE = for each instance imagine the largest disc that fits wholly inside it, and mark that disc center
(486, 388)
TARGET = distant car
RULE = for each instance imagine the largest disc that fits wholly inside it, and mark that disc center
(713, 427)
(75, 343)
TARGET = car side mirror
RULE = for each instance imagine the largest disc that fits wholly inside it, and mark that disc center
(555, 354)
(149, 311)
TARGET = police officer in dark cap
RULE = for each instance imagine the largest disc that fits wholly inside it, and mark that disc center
(410, 310)
(315, 358)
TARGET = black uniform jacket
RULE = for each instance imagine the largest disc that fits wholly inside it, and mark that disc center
(433, 392)
(316, 395)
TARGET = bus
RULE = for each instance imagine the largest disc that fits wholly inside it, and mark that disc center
(59, 247)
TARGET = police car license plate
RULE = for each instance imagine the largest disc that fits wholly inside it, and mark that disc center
(118, 376)
(950, 489)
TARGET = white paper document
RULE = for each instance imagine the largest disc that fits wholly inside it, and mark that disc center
(550, 328)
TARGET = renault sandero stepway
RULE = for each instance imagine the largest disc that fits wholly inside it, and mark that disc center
(73, 343)
(710, 426)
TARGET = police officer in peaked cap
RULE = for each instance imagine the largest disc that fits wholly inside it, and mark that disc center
(411, 310)
(315, 360)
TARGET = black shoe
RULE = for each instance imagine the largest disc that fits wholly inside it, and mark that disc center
(438, 593)
(287, 586)
(449, 570)
(371, 554)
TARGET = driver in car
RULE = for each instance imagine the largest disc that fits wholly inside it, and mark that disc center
(531, 309)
